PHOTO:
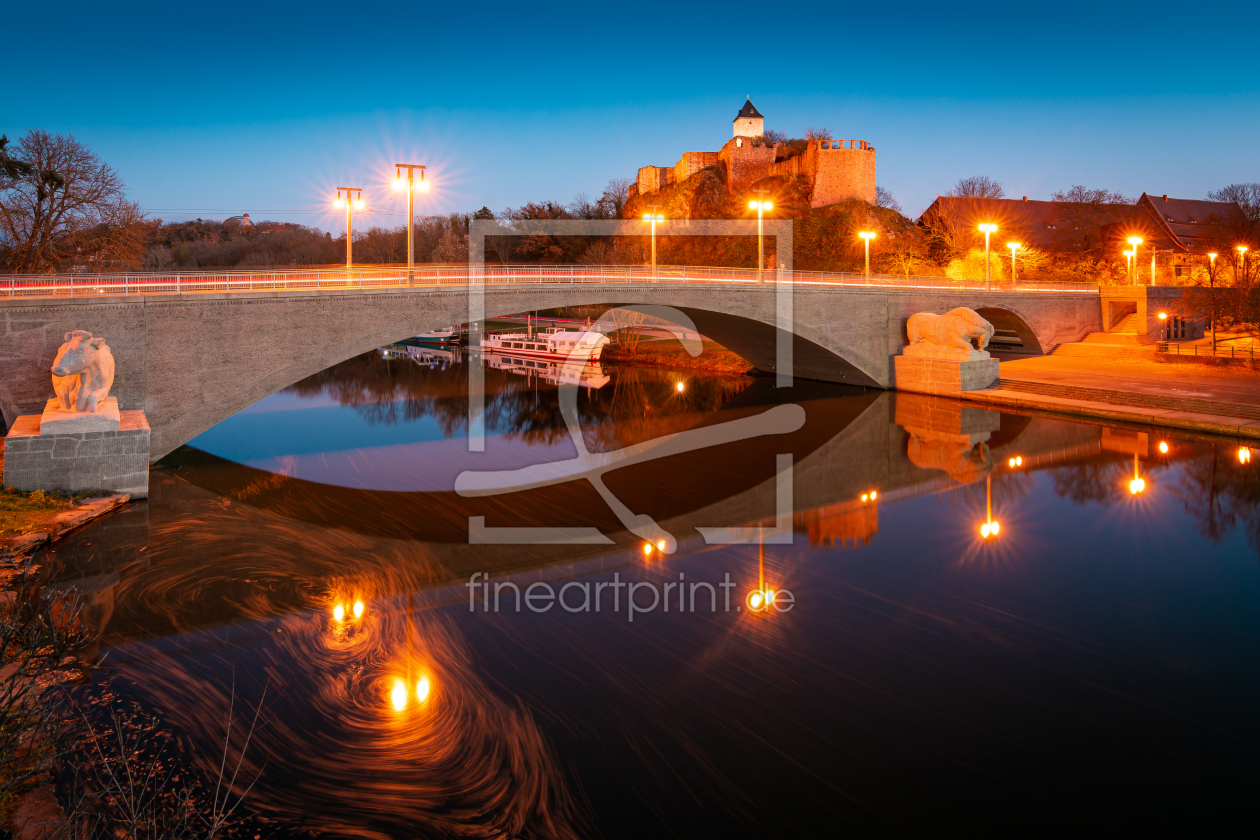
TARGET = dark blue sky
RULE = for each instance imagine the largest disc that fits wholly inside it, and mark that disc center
(223, 108)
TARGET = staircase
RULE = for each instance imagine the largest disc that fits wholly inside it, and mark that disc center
(1122, 341)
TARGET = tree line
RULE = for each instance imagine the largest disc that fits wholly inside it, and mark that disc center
(62, 209)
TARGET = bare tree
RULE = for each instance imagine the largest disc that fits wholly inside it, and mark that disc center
(615, 196)
(65, 205)
(815, 133)
(453, 248)
(1246, 196)
(977, 186)
(883, 198)
(1081, 213)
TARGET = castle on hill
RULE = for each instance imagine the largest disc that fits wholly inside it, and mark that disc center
(837, 170)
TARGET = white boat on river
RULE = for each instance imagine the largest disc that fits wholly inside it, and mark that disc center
(553, 344)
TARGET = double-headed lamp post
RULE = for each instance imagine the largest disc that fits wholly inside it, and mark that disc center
(351, 204)
(1212, 294)
(412, 186)
(1014, 246)
(867, 236)
(761, 206)
(1134, 241)
(988, 229)
(653, 218)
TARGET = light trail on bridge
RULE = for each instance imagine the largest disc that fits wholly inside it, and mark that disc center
(130, 284)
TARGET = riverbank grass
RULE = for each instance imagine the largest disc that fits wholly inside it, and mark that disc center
(25, 513)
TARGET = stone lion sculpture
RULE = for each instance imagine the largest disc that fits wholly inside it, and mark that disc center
(957, 455)
(83, 371)
(955, 329)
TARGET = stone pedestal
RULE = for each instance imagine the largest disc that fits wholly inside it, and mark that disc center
(946, 377)
(103, 450)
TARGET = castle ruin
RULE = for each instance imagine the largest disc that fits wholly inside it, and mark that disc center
(837, 170)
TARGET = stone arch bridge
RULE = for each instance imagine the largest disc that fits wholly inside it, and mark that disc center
(192, 360)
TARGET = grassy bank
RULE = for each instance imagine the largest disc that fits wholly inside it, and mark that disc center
(25, 513)
(714, 358)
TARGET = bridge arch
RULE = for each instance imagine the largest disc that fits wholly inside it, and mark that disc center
(1007, 322)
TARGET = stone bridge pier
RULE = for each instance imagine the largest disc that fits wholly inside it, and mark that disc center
(190, 361)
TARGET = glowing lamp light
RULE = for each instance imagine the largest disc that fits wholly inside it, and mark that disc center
(1244, 455)
(339, 203)
(358, 609)
(1163, 447)
(339, 612)
(1017, 461)
(1137, 485)
(647, 217)
(1014, 246)
(874, 495)
(398, 695)
(660, 218)
(679, 387)
(647, 549)
(660, 545)
(400, 184)
(1163, 316)
(422, 689)
(1134, 241)
(866, 234)
(422, 185)
(990, 529)
(755, 600)
(865, 496)
(988, 227)
(761, 205)
(358, 204)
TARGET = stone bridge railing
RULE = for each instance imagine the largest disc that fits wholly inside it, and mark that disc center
(81, 285)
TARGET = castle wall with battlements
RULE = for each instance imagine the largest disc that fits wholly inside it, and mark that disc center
(838, 170)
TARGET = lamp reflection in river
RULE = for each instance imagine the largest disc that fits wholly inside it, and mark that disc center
(990, 528)
(761, 598)
(1138, 484)
(1244, 455)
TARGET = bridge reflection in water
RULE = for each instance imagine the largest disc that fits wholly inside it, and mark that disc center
(232, 568)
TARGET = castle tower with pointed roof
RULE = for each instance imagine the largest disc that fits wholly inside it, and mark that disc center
(749, 122)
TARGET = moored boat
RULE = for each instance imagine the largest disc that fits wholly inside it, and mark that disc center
(554, 344)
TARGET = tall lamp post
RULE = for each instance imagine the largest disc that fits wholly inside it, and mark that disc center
(1134, 241)
(761, 206)
(1242, 256)
(1014, 246)
(867, 236)
(653, 218)
(988, 229)
(412, 186)
(1212, 295)
(351, 204)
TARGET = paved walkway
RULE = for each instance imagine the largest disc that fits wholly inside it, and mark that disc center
(1220, 400)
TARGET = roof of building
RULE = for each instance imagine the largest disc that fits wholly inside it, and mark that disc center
(1186, 220)
(749, 110)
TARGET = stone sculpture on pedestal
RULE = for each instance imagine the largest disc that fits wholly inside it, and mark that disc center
(941, 357)
(81, 441)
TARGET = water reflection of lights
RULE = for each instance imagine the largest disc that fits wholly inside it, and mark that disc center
(989, 528)
(871, 496)
(1017, 461)
(680, 387)
(1138, 484)
(761, 598)
(398, 695)
(1244, 455)
(422, 689)
(358, 609)
(339, 612)
(1163, 447)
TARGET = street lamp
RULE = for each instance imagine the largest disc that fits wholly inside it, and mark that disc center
(1134, 241)
(412, 186)
(1242, 256)
(1212, 294)
(1014, 246)
(761, 206)
(867, 236)
(988, 228)
(351, 204)
(653, 218)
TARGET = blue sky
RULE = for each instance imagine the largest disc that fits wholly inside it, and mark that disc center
(221, 108)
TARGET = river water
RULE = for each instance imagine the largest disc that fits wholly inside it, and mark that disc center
(1090, 667)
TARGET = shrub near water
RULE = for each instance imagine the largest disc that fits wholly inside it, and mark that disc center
(21, 513)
